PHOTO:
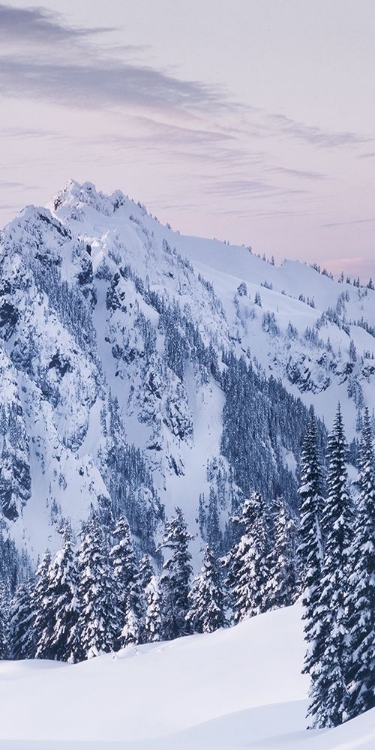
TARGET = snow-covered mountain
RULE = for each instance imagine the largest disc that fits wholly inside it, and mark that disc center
(146, 370)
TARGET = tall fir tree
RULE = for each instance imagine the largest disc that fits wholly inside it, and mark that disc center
(361, 595)
(146, 571)
(175, 577)
(42, 611)
(97, 613)
(206, 598)
(153, 628)
(127, 589)
(61, 640)
(146, 574)
(4, 620)
(22, 634)
(248, 565)
(282, 586)
(311, 552)
(329, 695)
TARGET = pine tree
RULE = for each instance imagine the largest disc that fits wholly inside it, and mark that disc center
(175, 577)
(42, 610)
(282, 560)
(311, 551)
(61, 641)
(213, 533)
(146, 572)
(153, 617)
(128, 593)
(206, 599)
(4, 621)
(22, 635)
(329, 696)
(97, 616)
(361, 596)
(131, 632)
(248, 567)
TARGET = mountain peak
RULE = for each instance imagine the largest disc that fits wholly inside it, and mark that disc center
(75, 196)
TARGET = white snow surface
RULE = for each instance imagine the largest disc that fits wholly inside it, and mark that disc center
(235, 688)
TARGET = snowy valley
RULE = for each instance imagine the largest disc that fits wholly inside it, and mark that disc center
(236, 688)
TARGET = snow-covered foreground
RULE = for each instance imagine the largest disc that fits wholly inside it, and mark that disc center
(238, 688)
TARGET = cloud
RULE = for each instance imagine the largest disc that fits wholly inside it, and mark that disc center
(250, 213)
(38, 26)
(25, 133)
(300, 173)
(12, 185)
(242, 187)
(253, 188)
(34, 64)
(347, 223)
(316, 136)
(162, 133)
(369, 155)
(101, 83)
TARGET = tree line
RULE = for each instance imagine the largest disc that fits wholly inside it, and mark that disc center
(100, 595)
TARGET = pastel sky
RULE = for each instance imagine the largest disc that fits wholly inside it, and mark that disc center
(249, 120)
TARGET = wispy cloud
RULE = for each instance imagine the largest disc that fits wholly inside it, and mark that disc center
(299, 173)
(252, 188)
(101, 83)
(12, 185)
(242, 187)
(34, 64)
(348, 223)
(369, 155)
(38, 26)
(26, 133)
(147, 130)
(316, 136)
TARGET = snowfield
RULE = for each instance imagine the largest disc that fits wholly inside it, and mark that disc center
(235, 688)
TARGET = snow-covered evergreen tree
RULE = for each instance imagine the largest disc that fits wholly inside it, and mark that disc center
(4, 621)
(282, 586)
(62, 642)
(127, 589)
(42, 609)
(329, 695)
(248, 566)
(97, 613)
(175, 577)
(146, 572)
(311, 551)
(131, 632)
(361, 596)
(206, 598)
(22, 635)
(153, 628)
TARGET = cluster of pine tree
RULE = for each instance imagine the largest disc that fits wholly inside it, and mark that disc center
(101, 596)
(338, 563)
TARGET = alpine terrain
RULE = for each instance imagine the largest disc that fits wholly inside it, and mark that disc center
(186, 441)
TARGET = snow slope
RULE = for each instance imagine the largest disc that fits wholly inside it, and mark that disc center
(236, 688)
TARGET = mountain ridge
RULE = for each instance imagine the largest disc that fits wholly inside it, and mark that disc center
(119, 348)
